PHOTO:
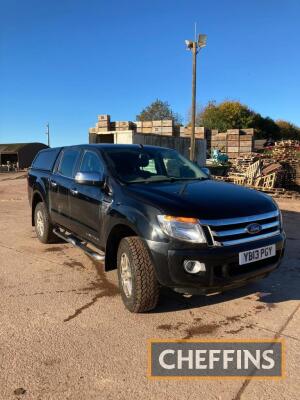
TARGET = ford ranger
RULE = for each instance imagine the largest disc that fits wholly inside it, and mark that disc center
(156, 217)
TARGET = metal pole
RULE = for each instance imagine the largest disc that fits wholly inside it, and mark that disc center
(48, 134)
(193, 121)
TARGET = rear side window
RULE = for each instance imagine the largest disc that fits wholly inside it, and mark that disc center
(45, 159)
(68, 162)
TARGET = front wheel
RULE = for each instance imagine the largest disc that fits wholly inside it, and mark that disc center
(137, 280)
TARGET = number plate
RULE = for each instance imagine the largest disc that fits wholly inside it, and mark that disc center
(246, 257)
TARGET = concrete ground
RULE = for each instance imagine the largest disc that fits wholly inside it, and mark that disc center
(64, 333)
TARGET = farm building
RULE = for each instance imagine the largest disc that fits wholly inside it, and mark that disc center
(20, 154)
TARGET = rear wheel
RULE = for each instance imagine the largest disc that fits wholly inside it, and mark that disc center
(43, 226)
(137, 280)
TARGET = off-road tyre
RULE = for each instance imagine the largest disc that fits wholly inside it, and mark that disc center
(47, 235)
(145, 287)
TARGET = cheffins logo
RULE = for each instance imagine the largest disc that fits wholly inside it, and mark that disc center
(251, 359)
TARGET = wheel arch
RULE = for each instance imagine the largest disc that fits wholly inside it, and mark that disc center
(117, 233)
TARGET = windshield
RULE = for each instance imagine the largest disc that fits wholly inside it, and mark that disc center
(143, 165)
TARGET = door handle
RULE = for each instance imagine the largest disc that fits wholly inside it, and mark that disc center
(53, 183)
(74, 192)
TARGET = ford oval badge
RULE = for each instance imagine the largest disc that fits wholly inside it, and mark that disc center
(253, 228)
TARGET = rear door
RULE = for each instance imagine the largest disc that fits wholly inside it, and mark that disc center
(61, 183)
(86, 200)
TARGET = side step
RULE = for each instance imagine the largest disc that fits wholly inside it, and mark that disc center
(77, 243)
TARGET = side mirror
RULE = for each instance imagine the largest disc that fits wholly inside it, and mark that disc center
(207, 172)
(89, 178)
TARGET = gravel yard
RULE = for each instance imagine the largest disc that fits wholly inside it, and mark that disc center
(65, 333)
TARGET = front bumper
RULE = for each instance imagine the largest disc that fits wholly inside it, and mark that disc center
(223, 271)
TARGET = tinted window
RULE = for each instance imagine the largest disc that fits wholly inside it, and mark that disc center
(45, 159)
(91, 163)
(134, 164)
(67, 163)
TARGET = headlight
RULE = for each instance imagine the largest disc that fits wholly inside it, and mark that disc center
(182, 228)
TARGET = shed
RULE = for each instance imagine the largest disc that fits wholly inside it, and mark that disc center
(21, 153)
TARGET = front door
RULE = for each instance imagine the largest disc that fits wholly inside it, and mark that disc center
(86, 200)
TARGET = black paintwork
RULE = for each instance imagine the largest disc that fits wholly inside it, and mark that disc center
(103, 215)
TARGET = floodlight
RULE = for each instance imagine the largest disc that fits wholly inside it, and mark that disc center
(202, 40)
(189, 44)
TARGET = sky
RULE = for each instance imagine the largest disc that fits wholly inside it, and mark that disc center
(66, 61)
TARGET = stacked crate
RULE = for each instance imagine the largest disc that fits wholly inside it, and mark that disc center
(246, 141)
(218, 141)
(103, 124)
(144, 126)
(124, 125)
(234, 142)
(163, 127)
(159, 127)
(200, 131)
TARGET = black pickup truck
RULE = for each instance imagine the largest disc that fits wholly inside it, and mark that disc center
(156, 217)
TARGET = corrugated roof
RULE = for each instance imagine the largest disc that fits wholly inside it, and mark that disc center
(12, 147)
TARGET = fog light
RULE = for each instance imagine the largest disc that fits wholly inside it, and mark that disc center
(193, 267)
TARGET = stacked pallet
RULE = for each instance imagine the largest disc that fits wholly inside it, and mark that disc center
(286, 150)
(277, 170)
(297, 175)
(241, 163)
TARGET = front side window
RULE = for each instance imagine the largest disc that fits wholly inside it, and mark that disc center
(91, 163)
(68, 162)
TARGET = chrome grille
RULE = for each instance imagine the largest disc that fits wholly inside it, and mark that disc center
(231, 231)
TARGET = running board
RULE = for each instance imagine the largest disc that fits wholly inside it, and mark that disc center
(77, 243)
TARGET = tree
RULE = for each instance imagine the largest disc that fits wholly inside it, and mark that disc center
(288, 130)
(235, 115)
(158, 110)
(226, 115)
(265, 128)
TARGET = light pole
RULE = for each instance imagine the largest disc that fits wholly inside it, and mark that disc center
(194, 46)
(48, 133)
